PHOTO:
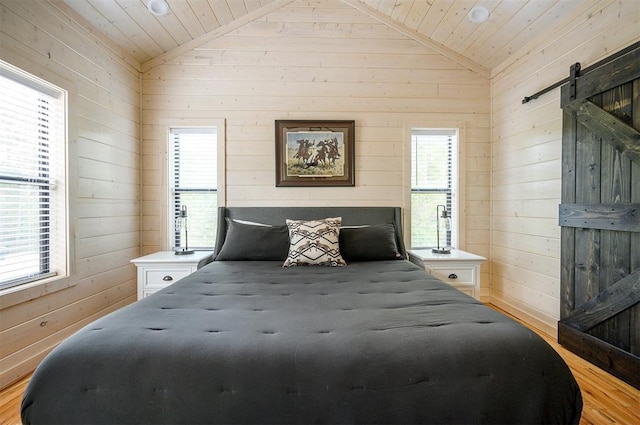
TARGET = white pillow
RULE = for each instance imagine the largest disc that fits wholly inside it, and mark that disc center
(314, 242)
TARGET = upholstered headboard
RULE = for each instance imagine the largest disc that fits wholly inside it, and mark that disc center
(351, 216)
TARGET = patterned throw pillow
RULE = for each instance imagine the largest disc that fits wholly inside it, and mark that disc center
(314, 242)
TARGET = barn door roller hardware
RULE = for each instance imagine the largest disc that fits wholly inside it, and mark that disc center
(581, 71)
(575, 72)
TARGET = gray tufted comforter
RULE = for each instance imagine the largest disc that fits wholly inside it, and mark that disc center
(252, 342)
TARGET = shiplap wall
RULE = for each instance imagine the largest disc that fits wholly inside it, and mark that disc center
(308, 60)
(104, 206)
(317, 60)
(526, 158)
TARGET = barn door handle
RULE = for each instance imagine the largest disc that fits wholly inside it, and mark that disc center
(453, 276)
(167, 278)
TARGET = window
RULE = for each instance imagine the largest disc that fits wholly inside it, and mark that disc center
(193, 185)
(32, 178)
(434, 173)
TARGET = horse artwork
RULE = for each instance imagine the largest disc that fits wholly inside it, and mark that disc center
(315, 154)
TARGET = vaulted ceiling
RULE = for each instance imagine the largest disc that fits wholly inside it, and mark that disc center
(512, 24)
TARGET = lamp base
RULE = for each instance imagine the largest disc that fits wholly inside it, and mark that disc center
(184, 251)
(441, 250)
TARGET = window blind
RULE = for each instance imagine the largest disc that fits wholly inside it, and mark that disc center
(433, 183)
(30, 119)
(194, 184)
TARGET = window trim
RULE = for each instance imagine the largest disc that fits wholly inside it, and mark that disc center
(58, 266)
(460, 236)
(176, 190)
(166, 203)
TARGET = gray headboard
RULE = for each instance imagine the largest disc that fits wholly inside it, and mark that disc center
(351, 216)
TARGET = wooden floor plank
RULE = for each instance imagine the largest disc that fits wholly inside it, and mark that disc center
(607, 399)
(10, 399)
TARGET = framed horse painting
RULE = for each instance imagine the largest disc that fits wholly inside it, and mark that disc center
(315, 153)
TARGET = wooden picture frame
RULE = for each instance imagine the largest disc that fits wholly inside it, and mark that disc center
(315, 153)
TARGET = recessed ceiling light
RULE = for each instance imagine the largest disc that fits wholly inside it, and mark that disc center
(158, 7)
(478, 14)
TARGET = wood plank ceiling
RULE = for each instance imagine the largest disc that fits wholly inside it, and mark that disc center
(512, 24)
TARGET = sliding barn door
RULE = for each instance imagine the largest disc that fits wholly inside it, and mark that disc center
(600, 216)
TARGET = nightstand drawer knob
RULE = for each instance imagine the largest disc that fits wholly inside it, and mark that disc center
(167, 278)
(453, 276)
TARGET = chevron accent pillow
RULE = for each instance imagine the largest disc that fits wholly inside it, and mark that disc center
(314, 242)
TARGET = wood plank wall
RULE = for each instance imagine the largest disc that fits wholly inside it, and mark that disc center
(318, 60)
(104, 207)
(309, 60)
(526, 158)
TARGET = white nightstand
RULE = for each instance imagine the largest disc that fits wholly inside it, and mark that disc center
(161, 269)
(459, 269)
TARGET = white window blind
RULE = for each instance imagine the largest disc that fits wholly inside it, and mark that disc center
(433, 182)
(193, 172)
(31, 145)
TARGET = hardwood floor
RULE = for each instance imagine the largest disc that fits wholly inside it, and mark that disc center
(10, 399)
(607, 400)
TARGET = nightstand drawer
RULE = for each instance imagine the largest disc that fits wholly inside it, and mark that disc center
(459, 269)
(159, 278)
(455, 275)
(161, 269)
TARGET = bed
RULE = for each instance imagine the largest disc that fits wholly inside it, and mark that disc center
(246, 340)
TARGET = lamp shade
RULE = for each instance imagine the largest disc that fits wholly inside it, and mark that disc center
(442, 213)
